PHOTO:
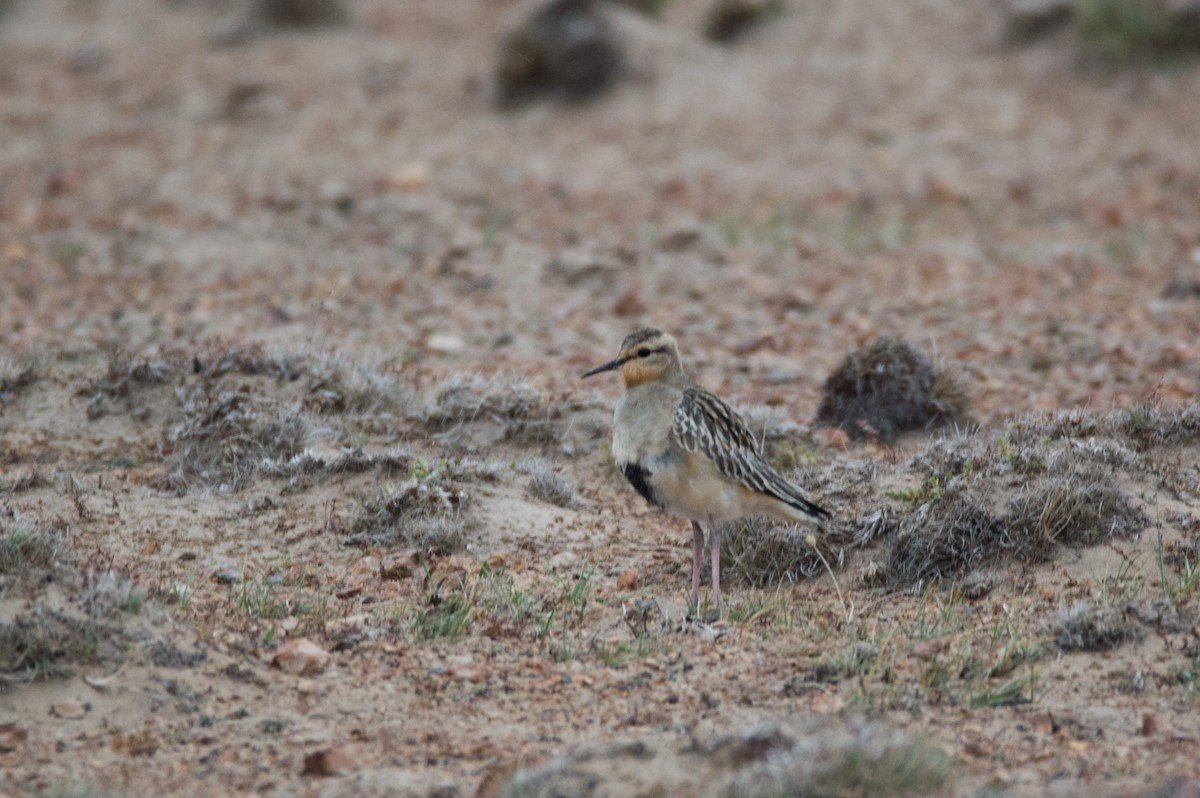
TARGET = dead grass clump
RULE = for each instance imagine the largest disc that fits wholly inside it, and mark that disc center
(954, 527)
(516, 406)
(547, 484)
(16, 376)
(1078, 507)
(566, 48)
(227, 438)
(424, 512)
(860, 759)
(125, 374)
(250, 360)
(46, 644)
(1145, 426)
(1095, 627)
(949, 534)
(761, 552)
(885, 388)
(337, 385)
(30, 480)
(26, 547)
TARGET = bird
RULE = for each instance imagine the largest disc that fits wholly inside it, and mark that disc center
(686, 451)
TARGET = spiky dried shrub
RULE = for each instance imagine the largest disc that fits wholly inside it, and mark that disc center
(518, 408)
(1095, 627)
(886, 387)
(547, 484)
(45, 638)
(227, 438)
(338, 385)
(566, 47)
(18, 375)
(956, 525)
(861, 758)
(1080, 506)
(125, 374)
(44, 643)
(27, 549)
(1144, 426)
(948, 535)
(425, 511)
(761, 552)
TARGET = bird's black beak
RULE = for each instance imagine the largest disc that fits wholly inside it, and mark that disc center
(609, 366)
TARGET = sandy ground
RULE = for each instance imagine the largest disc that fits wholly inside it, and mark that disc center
(349, 197)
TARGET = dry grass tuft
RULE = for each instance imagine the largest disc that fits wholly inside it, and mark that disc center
(124, 375)
(885, 388)
(425, 512)
(949, 534)
(1080, 506)
(45, 644)
(862, 759)
(26, 547)
(30, 480)
(762, 552)
(955, 526)
(337, 385)
(16, 376)
(547, 484)
(1144, 426)
(41, 639)
(1094, 627)
(521, 411)
(566, 48)
(227, 438)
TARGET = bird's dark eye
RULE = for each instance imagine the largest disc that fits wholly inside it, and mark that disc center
(643, 352)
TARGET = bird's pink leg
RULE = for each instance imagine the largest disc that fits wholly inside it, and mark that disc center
(697, 551)
(714, 540)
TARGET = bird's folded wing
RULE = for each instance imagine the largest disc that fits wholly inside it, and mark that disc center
(707, 425)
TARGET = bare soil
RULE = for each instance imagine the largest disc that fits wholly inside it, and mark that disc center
(343, 216)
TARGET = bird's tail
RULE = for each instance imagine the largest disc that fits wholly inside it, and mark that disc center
(790, 495)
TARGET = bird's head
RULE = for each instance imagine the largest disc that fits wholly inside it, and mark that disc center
(646, 356)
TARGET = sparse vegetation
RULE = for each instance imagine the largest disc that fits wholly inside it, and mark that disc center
(763, 553)
(26, 547)
(860, 759)
(1095, 627)
(227, 438)
(425, 511)
(547, 484)
(520, 410)
(17, 375)
(884, 388)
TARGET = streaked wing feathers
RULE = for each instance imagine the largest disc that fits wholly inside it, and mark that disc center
(704, 423)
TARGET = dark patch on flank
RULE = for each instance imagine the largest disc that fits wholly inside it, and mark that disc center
(640, 479)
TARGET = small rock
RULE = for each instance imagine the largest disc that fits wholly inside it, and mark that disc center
(628, 580)
(445, 343)
(301, 657)
(326, 762)
(69, 710)
(409, 177)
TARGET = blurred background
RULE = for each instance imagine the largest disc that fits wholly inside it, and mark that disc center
(1010, 186)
